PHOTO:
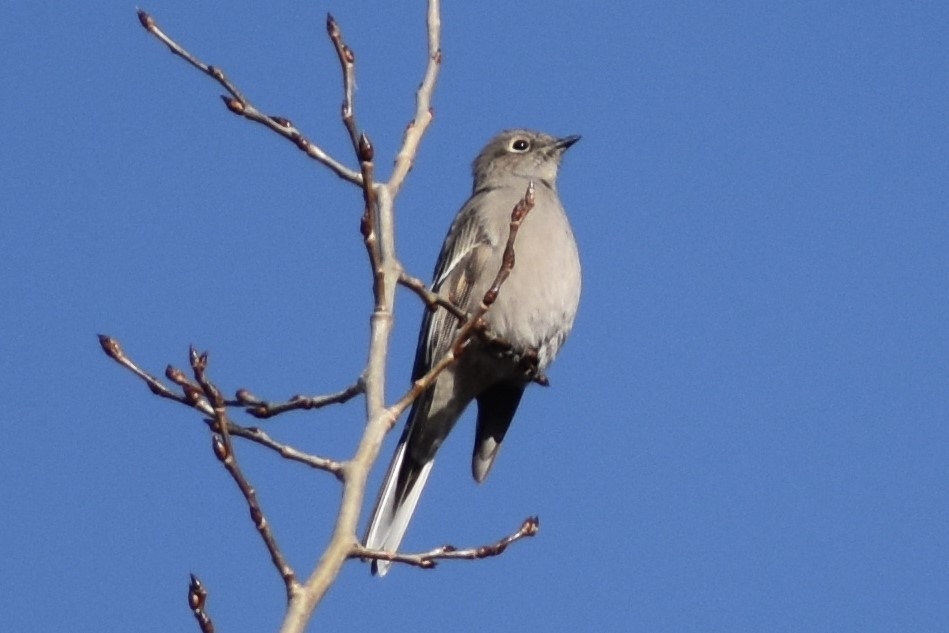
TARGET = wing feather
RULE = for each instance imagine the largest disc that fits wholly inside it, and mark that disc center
(458, 266)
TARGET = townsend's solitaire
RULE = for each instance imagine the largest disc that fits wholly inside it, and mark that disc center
(534, 313)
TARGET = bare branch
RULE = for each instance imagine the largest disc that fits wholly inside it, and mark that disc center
(432, 301)
(197, 597)
(224, 451)
(369, 223)
(264, 409)
(386, 269)
(364, 153)
(428, 560)
(521, 209)
(194, 398)
(239, 104)
(258, 436)
(423, 103)
(347, 62)
(113, 349)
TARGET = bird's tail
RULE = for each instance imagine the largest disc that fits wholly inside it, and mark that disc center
(398, 497)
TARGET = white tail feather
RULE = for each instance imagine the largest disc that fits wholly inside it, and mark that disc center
(389, 523)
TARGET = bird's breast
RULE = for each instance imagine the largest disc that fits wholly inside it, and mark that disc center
(536, 306)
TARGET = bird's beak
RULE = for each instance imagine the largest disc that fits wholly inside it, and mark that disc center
(567, 141)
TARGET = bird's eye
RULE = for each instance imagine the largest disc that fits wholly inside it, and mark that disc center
(520, 145)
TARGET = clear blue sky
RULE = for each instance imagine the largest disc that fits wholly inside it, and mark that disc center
(748, 431)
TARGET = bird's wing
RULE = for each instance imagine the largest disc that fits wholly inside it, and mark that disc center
(459, 266)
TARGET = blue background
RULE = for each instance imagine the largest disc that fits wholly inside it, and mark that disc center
(746, 432)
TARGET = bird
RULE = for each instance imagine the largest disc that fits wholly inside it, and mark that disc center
(533, 314)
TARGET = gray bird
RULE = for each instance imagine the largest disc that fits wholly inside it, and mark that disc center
(534, 313)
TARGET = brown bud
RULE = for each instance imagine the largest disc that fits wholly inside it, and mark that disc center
(233, 104)
(175, 375)
(220, 448)
(191, 394)
(201, 363)
(197, 594)
(366, 151)
(110, 346)
(147, 21)
(246, 397)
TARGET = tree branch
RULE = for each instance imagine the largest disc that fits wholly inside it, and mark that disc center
(224, 451)
(429, 559)
(385, 271)
(264, 409)
(239, 104)
(347, 62)
(258, 436)
(113, 349)
(423, 103)
(432, 300)
(195, 399)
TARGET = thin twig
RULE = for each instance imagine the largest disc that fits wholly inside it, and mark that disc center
(264, 409)
(423, 103)
(369, 223)
(432, 300)
(428, 560)
(521, 209)
(258, 436)
(365, 153)
(113, 349)
(224, 451)
(347, 62)
(239, 104)
(194, 398)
